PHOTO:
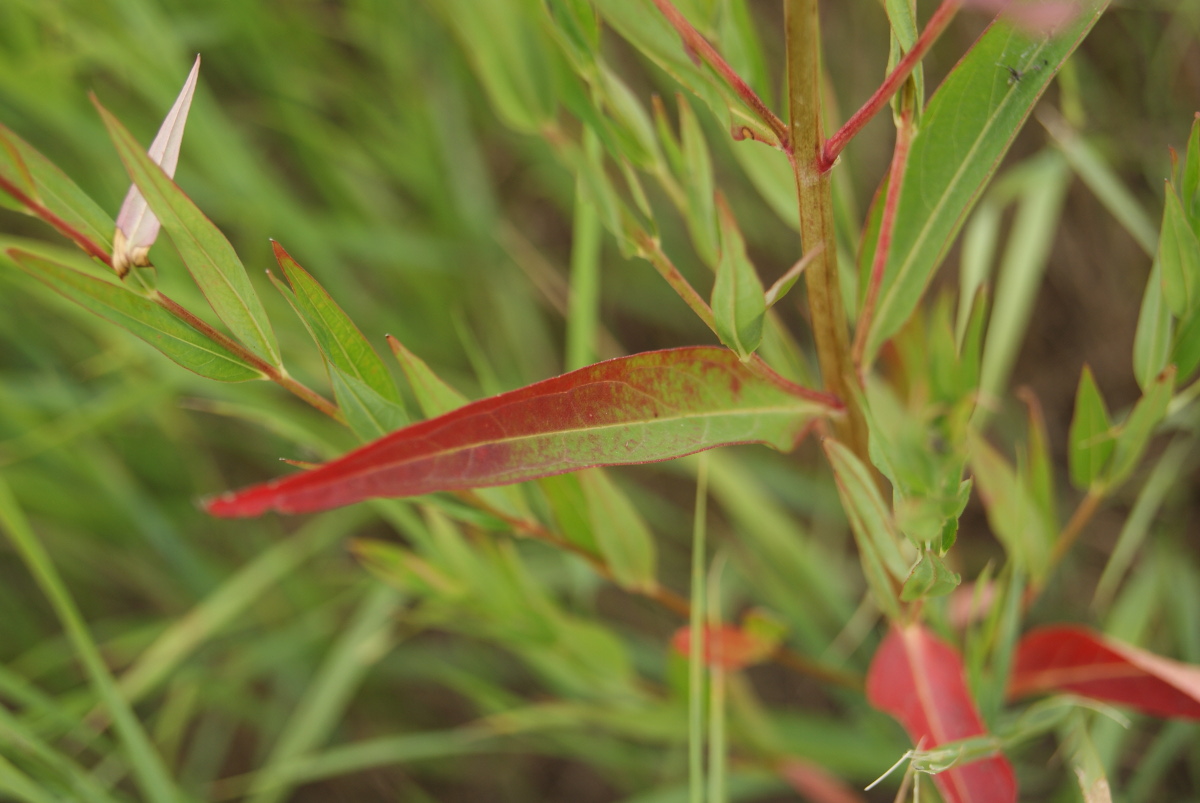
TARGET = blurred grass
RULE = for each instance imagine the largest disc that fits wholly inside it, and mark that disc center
(259, 658)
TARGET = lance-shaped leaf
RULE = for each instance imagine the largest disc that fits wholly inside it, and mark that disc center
(205, 250)
(1179, 256)
(338, 338)
(622, 537)
(738, 304)
(1078, 660)
(174, 338)
(639, 409)
(919, 681)
(965, 131)
(24, 170)
(137, 227)
(1091, 433)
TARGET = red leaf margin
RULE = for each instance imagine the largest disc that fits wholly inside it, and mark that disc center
(1079, 660)
(918, 680)
(480, 443)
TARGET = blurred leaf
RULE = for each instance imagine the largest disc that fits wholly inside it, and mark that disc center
(1135, 431)
(738, 303)
(637, 131)
(697, 176)
(871, 522)
(1012, 508)
(919, 681)
(174, 338)
(1179, 257)
(1074, 659)
(1185, 353)
(622, 537)
(512, 58)
(979, 250)
(648, 407)
(724, 646)
(369, 414)
(22, 165)
(565, 494)
(1091, 436)
(740, 45)
(929, 578)
(338, 338)
(1152, 341)
(205, 250)
(965, 131)
(1189, 181)
(771, 174)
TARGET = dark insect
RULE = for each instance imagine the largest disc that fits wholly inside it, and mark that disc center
(1015, 75)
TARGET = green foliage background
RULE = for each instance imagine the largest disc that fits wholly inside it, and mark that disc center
(358, 134)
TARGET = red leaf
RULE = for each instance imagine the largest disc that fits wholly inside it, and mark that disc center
(919, 681)
(1084, 662)
(639, 409)
(725, 646)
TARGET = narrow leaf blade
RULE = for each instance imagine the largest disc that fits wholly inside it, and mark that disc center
(1078, 660)
(639, 409)
(738, 304)
(339, 339)
(965, 131)
(142, 317)
(624, 540)
(1090, 435)
(207, 253)
(919, 681)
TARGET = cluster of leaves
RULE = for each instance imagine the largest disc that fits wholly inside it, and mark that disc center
(924, 425)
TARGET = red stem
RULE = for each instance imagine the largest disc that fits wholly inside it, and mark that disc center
(700, 46)
(63, 227)
(937, 24)
(887, 222)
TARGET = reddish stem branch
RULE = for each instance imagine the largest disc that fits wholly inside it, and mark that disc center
(697, 44)
(887, 222)
(653, 253)
(63, 227)
(937, 24)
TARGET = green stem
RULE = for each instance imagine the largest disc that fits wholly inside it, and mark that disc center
(699, 646)
(828, 314)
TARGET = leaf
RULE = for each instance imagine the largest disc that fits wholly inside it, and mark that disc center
(1012, 508)
(639, 409)
(434, 396)
(919, 681)
(1089, 769)
(338, 338)
(137, 227)
(871, 522)
(622, 537)
(965, 131)
(929, 578)
(724, 646)
(1179, 257)
(1135, 431)
(1091, 438)
(1152, 341)
(738, 304)
(1074, 659)
(697, 178)
(174, 338)
(207, 253)
(369, 414)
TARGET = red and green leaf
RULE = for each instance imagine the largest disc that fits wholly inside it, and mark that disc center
(1074, 659)
(640, 409)
(919, 680)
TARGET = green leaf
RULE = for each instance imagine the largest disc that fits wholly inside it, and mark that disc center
(739, 44)
(737, 299)
(871, 523)
(929, 578)
(965, 131)
(1189, 181)
(369, 414)
(1179, 256)
(22, 164)
(1012, 508)
(567, 502)
(697, 177)
(338, 338)
(1135, 431)
(434, 396)
(1091, 436)
(1152, 341)
(205, 250)
(623, 539)
(635, 129)
(1185, 353)
(174, 338)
